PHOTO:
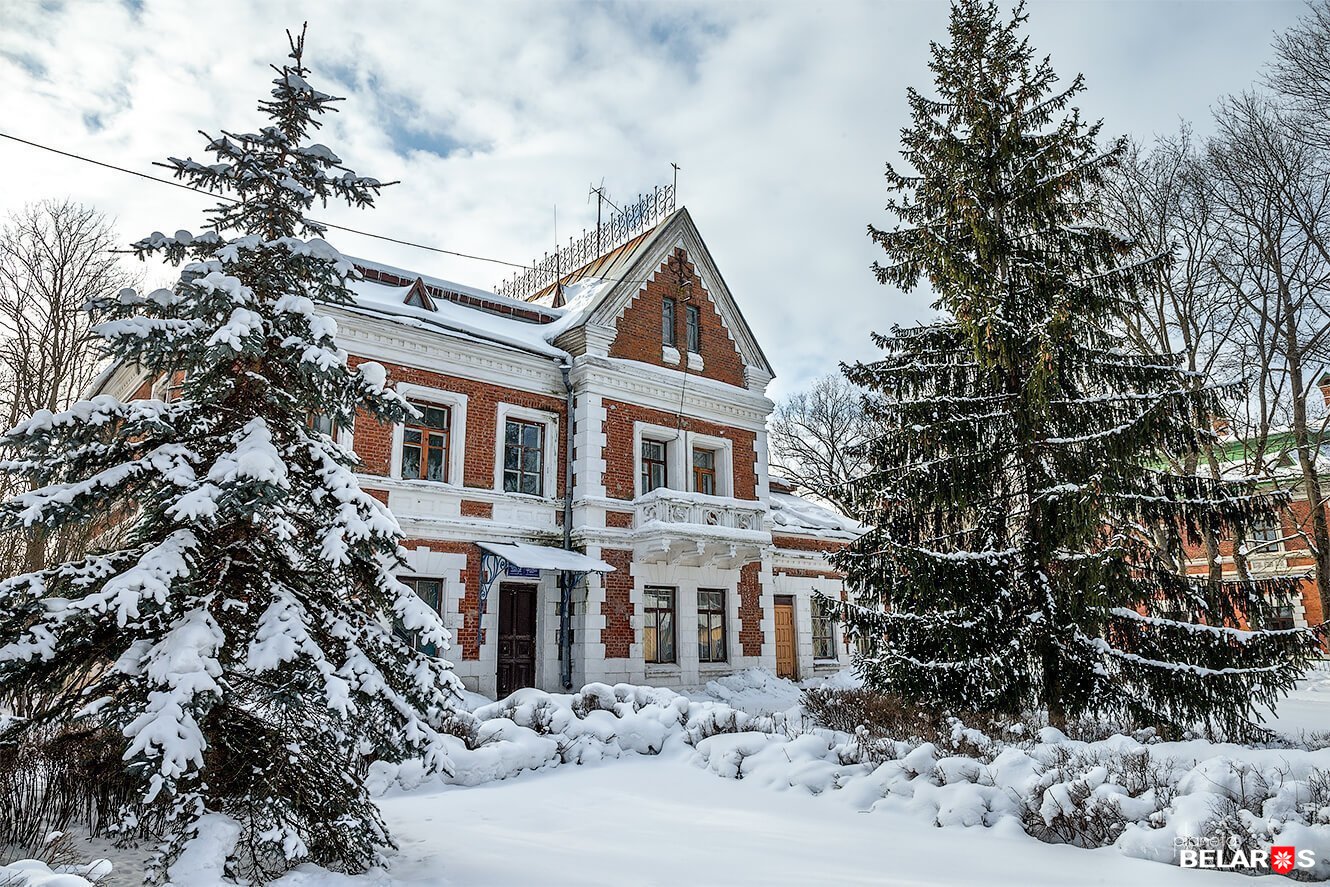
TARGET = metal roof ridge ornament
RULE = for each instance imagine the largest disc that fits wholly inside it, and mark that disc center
(649, 210)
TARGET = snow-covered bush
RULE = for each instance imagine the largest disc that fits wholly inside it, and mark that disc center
(60, 777)
(1086, 798)
(882, 715)
(37, 873)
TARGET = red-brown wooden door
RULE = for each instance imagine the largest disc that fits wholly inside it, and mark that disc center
(517, 638)
(785, 661)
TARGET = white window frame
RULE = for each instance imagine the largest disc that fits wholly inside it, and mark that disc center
(812, 632)
(161, 387)
(1273, 546)
(723, 447)
(544, 418)
(674, 463)
(456, 404)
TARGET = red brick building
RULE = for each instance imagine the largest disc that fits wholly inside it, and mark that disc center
(639, 379)
(1284, 546)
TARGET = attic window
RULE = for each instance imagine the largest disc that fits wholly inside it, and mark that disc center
(418, 296)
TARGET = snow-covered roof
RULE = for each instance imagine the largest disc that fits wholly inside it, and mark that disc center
(597, 290)
(797, 515)
(479, 313)
(1279, 460)
(384, 299)
(452, 286)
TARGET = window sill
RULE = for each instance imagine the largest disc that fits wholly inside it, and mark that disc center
(423, 482)
(671, 355)
(534, 498)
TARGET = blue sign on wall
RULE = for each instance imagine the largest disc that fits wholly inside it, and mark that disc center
(523, 572)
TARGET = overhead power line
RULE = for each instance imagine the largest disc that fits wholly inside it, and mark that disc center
(384, 237)
(182, 185)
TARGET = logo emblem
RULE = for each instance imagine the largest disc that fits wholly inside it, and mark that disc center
(1283, 859)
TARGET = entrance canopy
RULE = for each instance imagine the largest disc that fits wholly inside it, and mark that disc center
(508, 557)
(542, 557)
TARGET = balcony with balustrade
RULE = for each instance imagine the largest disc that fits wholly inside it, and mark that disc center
(693, 529)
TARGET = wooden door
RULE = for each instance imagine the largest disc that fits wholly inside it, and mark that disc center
(785, 661)
(517, 638)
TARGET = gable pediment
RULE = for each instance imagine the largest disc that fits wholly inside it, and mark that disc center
(655, 257)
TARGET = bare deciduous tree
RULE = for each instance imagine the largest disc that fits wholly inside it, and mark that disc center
(1272, 186)
(1300, 72)
(1158, 198)
(815, 436)
(55, 256)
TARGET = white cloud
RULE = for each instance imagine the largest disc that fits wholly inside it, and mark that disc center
(781, 116)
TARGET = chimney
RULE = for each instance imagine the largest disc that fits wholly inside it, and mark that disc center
(1324, 385)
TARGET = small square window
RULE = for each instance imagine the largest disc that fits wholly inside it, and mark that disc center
(322, 423)
(425, 444)
(431, 592)
(1265, 535)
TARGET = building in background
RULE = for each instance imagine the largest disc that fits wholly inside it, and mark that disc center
(1283, 547)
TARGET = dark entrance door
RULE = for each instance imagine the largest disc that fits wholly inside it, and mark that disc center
(517, 638)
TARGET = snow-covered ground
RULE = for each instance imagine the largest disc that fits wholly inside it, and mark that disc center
(1306, 711)
(663, 821)
(728, 784)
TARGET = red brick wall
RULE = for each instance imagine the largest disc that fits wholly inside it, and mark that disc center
(801, 543)
(471, 508)
(810, 574)
(373, 441)
(617, 608)
(638, 336)
(622, 520)
(750, 609)
(1295, 518)
(1311, 601)
(621, 471)
(470, 636)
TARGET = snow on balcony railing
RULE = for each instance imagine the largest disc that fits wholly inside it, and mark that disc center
(666, 506)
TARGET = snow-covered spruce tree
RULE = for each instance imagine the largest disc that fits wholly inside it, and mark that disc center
(237, 636)
(1016, 489)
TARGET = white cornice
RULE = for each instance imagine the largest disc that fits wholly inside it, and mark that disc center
(436, 351)
(662, 389)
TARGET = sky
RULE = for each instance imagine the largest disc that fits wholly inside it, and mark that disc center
(492, 115)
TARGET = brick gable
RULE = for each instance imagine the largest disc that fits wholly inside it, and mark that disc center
(638, 332)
